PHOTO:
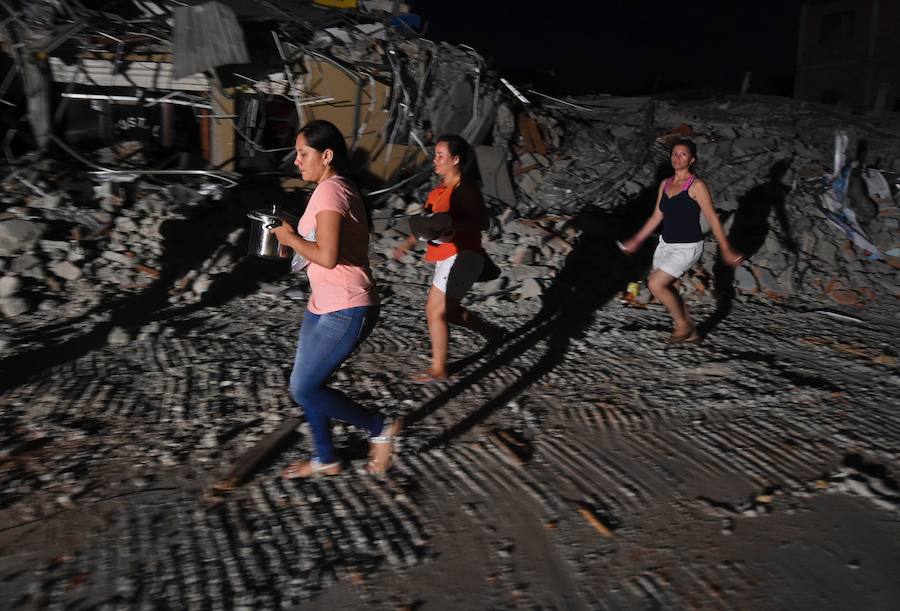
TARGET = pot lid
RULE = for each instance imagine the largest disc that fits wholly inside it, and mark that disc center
(274, 214)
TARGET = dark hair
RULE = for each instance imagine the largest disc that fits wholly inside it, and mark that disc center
(322, 135)
(458, 147)
(689, 144)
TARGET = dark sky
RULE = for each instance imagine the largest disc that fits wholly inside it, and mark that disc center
(626, 48)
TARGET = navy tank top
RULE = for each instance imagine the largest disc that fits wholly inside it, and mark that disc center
(681, 216)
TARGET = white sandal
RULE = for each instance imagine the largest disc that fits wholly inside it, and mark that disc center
(306, 469)
(389, 432)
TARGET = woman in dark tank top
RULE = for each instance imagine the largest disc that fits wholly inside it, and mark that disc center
(679, 202)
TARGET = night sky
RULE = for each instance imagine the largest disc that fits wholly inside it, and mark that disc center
(626, 48)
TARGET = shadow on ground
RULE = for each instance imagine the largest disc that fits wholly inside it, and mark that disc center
(593, 273)
(747, 235)
(186, 245)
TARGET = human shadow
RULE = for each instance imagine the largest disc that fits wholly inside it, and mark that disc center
(594, 272)
(747, 235)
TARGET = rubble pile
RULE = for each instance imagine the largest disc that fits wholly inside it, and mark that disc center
(807, 193)
(766, 161)
(62, 242)
(68, 238)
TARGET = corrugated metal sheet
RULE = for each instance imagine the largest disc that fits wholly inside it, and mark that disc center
(207, 36)
(149, 75)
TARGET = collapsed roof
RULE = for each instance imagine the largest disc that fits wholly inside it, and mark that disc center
(230, 81)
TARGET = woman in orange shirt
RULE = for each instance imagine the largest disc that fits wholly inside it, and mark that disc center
(457, 253)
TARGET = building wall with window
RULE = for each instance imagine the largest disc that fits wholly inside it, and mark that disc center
(849, 54)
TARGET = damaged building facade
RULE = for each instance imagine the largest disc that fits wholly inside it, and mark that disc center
(144, 350)
(225, 85)
(179, 102)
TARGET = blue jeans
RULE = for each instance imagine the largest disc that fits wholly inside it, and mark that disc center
(326, 340)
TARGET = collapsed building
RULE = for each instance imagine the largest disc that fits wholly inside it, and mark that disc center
(125, 118)
(230, 82)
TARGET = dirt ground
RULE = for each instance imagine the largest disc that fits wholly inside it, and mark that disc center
(583, 464)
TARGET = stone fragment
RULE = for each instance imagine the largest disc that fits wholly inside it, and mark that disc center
(18, 235)
(201, 284)
(527, 183)
(765, 279)
(508, 215)
(520, 272)
(524, 255)
(493, 286)
(118, 257)
(118, 337)
(845, 296)
(9, 286)
(65, 270)
(530, 289)
(744, 280)
(13, 306)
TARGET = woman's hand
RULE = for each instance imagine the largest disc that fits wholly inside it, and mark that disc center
(284, 233)
(401, 249)
(732, 258)
(446, 235)
(629, 247)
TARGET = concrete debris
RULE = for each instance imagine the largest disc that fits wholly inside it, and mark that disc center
(769, 187)
(123, 239)
(18, 235)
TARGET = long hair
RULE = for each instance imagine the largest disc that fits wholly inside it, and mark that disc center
(322, 135)
(458, 147)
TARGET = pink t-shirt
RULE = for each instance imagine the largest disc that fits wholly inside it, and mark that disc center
(350, 283)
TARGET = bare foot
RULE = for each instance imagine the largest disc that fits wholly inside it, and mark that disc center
(427, 376)
(690, 334)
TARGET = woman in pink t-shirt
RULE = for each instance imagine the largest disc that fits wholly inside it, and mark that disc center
(333, 236)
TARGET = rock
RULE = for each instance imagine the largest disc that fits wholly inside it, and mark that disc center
(49, 305)
(118, 258)
(744, 280)
(48, 202)
(236, 236)
(508, 215)
(201, 284)
(53, 245)
(521, 272)
(11, 307)
(65, 270)
(845, 296)
(126, 225)
(527, 183)
(765, 279)
(530, 289)
(493, 286)
(28, 266)
(118, 337)
(524, 255)
(9, 286)
(17, 235)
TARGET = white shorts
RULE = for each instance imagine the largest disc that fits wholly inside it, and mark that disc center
(675, 259)
(455, 275)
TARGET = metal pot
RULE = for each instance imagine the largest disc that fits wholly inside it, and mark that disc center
(264, 244)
